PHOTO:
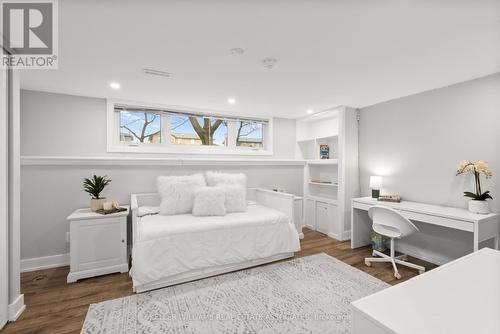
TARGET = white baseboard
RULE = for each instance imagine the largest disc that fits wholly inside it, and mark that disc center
(46, 262)
(334, 236)
(343, 237)
(16, 308)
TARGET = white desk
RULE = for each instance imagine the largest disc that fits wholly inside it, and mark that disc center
(483, 227)
(462, 296)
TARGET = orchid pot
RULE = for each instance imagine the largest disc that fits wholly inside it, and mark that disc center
(477, 206)
(478, 203)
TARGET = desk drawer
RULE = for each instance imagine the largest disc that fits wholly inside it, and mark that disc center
(422, 217)
(440, 221)
(362, 206)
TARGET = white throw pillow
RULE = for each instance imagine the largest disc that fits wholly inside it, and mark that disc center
(219, 179)
(236, 198)
(177, 193)
(209, 201)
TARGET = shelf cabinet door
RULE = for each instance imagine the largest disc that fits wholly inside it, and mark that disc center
(322, 217)
(334, 221)
(310, 214)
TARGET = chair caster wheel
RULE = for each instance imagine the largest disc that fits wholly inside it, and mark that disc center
(374, 254)
(368, 264)
(397, 275)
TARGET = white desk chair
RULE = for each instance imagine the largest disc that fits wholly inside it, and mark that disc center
(390, 223)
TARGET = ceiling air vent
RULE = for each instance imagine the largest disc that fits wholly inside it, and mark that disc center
(151, 71)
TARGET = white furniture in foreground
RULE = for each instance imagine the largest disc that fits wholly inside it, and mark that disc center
(390, 223)
(462, 296)
(482, 227)
(98, 244)
(169, 250)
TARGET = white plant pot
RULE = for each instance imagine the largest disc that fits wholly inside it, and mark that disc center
(96, 204)
(481, 207)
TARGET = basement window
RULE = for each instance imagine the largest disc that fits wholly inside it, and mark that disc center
(140, 127)
(153, 129)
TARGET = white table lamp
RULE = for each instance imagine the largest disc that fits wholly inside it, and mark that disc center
(375, 184)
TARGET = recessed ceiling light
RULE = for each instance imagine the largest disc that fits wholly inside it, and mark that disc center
(309, 111)
(237, 51)
(231, 100)
(114, 85)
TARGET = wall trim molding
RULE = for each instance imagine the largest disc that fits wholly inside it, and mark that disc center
(30, 160)
(45, 262)
(16, 308)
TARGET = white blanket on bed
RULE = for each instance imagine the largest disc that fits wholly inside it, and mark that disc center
(170, 245)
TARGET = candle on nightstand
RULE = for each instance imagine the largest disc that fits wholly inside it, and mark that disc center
(107, 205)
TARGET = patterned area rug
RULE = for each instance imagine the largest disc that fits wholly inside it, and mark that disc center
(306, 295)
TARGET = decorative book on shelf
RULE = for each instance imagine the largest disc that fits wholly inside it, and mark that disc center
(318, 181)
(389, 198)
(324, 151)
(107, 212)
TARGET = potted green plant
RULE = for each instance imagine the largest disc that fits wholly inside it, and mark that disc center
(478, 204)
(94, 186)
(379, 242)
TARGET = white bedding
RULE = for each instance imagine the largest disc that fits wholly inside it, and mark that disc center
(170, 245)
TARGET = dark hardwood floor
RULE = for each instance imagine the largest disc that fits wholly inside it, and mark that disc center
(54, 307)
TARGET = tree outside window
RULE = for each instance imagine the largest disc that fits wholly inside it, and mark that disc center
(140, 127)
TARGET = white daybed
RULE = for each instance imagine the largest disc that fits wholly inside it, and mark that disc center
(168, 250)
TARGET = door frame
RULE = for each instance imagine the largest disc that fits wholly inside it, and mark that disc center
(4, 204)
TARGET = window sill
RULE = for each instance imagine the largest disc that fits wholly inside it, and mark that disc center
(199, 150)
(137, 161)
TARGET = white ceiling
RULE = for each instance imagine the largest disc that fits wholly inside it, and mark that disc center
(330, 53)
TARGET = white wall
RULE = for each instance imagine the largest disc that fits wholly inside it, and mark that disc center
(65, 125)
(416, 142)
(69, 125)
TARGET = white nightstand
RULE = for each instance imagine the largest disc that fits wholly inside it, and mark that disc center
(98, 244)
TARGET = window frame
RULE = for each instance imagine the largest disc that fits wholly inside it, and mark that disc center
(114, 145)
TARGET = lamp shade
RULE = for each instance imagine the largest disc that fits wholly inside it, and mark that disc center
(375, 182)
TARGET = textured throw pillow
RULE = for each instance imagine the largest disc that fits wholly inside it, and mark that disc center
(219, 179)
(177, 193)
(209, 201)
(236, 198)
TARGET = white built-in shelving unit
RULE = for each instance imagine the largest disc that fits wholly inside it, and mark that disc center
(329, 184)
